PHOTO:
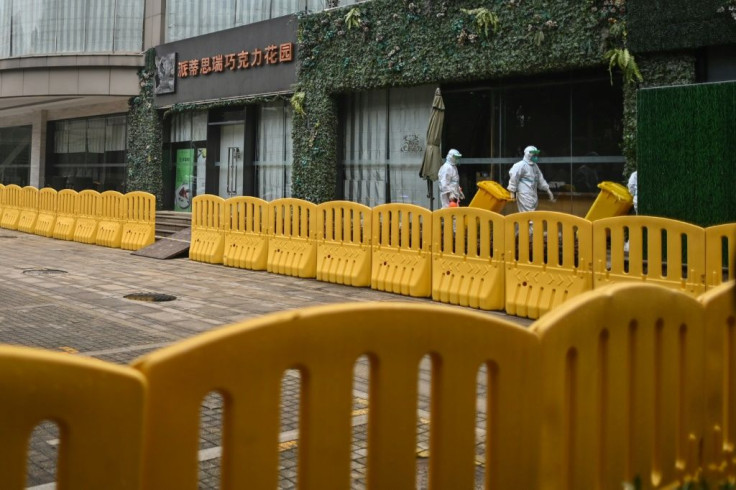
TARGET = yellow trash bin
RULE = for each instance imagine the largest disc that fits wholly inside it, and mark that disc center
(613, 200)
(491, 196)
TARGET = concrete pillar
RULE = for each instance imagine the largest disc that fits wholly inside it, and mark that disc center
(38, 149)
(154, 26)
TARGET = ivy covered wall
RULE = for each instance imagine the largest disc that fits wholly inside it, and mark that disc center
(386, 43)
(145, 144)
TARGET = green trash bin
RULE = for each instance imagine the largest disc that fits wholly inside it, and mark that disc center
(491, 196)
(613, 200)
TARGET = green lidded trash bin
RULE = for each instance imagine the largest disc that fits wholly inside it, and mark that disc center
(613, 200)
(491, 196)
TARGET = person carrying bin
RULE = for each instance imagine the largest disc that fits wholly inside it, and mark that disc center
(524, 180)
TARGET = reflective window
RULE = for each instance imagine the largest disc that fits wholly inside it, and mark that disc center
(88, 154)
(15, 155)
(190, 18)
(274, 151)
(31, 27)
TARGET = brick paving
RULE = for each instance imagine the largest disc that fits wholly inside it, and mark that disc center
(69, 297)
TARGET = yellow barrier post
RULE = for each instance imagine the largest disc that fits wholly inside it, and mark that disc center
(720, 253)
(208, 229)
(2, 200)
(402, 250)
(246, 233)
(11, 209)
(67, 209)
(112, 217)
(662, 251)
(622, 389)
(246, 363)
(549, 259)
(99, 410)
(467, 258)
(344, 243)
(88, 219)
(139, 229)
(28, 209)
(292, 244)
(47, 202)
(720, 378)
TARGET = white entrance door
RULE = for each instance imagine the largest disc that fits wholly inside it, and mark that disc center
(231, 160)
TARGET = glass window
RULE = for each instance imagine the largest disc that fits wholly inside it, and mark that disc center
(73, 26)
(15, 155)
(274, 151)
(88, 154)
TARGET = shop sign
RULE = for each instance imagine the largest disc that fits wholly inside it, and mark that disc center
(244, 60)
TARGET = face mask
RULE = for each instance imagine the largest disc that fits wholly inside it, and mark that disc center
(535, 158)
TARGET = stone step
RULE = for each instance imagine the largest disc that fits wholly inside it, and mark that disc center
(170, 222)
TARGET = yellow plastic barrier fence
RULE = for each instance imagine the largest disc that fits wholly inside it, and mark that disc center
(246, 363)
(662, 251)
(622, 389)
(97, 406)
(246, 233)
(11, 209)
(2, 200)
(67, 208)
(139, 229)
(720, 250)
(113, 209)
(467, 258)
(549, 259)
(88, 217)
(28, 209)
(720, 378)
(402, 250)
(344, 243)
(47, 199)
(292, 244)
(208, 229)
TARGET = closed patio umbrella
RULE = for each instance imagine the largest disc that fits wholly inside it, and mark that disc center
(432, 157)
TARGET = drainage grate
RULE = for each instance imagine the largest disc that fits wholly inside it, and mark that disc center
(150, 297)
(39, 272)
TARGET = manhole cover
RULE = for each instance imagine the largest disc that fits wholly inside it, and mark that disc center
(150, 297)
(38, 272)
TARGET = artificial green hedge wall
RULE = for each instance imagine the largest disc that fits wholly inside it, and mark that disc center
(679, 24)
(145, 144)
(406, 43)
(685, 153)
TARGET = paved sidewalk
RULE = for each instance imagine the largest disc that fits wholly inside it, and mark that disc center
(69, 297)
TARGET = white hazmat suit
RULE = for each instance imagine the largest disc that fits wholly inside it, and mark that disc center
(524, 180)
(633, 186)
(449, 179)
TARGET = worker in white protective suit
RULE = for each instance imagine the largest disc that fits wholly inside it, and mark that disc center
(449, 179)
(524, 180)
(633, 186)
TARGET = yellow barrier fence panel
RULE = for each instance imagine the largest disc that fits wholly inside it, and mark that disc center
(720, 250)
(720, 378)
(622, 389)
(139, 229)
(28, 209)
(292, 244)
(344, 243)
(246, 233)
(88, 219)
(11, 209)
(208, 229)
(67, 210)
(247, 361)
(548, 259)
(467, 258)
(98, 407)
(662, 251)
(2, 200)
(47, 200)
(113, 210)
(402, 250)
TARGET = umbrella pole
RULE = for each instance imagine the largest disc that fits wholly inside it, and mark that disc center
(430, 194)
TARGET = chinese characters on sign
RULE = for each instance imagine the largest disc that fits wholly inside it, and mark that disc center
(271, 55)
